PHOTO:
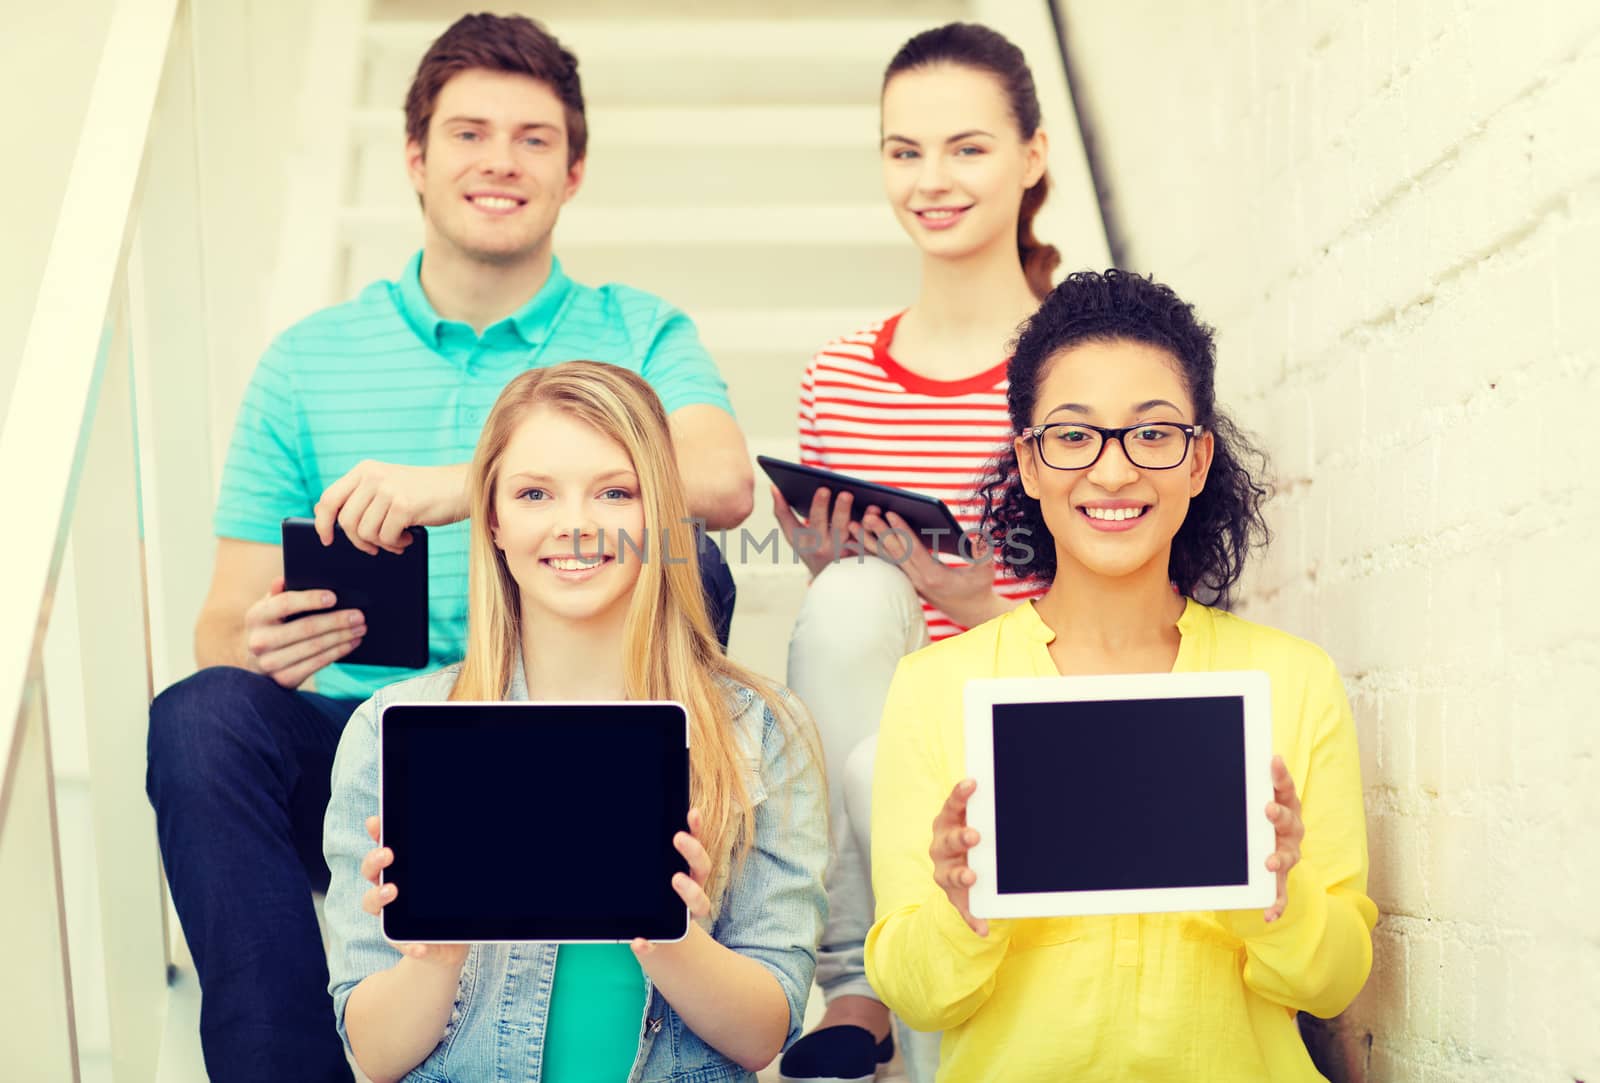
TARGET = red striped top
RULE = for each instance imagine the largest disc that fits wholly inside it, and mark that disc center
(862, 413)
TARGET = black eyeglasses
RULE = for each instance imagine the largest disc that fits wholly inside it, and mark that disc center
(1073, 445)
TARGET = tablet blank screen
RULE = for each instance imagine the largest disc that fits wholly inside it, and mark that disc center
(1106, 795)
(534, 821)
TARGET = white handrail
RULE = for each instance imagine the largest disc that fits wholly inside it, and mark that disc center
(52, 402)
(70, 422)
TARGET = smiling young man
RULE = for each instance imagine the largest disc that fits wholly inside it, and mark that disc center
(365, 415)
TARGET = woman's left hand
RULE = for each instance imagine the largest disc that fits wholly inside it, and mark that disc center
(690, 886)
(1288, 831)
(963, 592)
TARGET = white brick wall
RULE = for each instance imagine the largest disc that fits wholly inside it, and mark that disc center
(1391, 211)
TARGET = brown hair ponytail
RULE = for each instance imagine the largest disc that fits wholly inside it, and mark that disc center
(1039, 260)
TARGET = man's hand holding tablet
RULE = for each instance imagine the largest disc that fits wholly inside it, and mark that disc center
(384, 595)
(281, 644)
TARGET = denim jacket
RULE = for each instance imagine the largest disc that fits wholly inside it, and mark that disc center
(772, 911)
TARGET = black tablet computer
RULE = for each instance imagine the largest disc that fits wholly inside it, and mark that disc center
(390, 589)
(930, 517)
(515, 822)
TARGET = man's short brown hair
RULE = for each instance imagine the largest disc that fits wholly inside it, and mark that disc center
(508, 43)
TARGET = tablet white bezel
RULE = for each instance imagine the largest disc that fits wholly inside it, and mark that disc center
(683, 710)
(983, 694)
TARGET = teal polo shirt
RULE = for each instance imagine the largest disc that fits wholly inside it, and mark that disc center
(384, 377)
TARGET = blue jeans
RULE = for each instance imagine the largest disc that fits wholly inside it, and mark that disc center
(239, 772)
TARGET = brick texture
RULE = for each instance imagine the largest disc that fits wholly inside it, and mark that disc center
(1390, 209)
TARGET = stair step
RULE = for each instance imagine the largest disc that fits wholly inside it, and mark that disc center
(654, 61)
(763, 617)
(763, 354)
(729, 156)
(696, 275)
(755, 330)
(771, 581)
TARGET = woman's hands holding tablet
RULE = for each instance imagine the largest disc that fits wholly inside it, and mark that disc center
(450, 956)
(826, 536)
(690, 886)
(1288, 831)
(952, 839)
(963, 592)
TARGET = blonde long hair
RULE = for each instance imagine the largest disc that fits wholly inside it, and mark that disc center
(670, 650)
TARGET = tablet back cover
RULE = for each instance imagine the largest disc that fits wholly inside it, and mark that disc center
(390, 589)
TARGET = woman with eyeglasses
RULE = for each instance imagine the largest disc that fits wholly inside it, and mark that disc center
(1130, 492)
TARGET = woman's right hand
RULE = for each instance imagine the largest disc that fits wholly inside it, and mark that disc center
(816, 545)
(952, 840)
(380, 895)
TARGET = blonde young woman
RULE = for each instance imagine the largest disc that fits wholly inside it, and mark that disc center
(570, 456)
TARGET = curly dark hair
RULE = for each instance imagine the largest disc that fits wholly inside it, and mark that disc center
(1225, 521)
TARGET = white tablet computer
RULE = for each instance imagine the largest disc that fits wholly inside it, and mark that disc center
(543, 821)
(1120, 794)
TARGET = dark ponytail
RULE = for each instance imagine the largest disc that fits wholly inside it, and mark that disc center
(1039, 260)
(972, 45)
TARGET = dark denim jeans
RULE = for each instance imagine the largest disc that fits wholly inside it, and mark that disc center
(239, 777)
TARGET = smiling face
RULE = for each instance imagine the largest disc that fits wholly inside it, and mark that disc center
(954, 164)
(560, 484)
(495, 172)
(1113, 519)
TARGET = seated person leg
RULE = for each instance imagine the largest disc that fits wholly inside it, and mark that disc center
(239, 777)
(858, 619)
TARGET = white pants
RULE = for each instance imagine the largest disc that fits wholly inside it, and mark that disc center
(859, 618)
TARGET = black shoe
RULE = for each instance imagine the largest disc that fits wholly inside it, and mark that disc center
(845, 1054)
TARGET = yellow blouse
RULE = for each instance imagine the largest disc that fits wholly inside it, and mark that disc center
(1180, 997)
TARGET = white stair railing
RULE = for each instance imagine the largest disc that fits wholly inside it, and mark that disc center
(105, 334)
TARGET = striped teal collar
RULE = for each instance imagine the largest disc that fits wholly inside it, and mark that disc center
(532, 323)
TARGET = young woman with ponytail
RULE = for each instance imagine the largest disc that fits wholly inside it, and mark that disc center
(918, 401)
(570, 456)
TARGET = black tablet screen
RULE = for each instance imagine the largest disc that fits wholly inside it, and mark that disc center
(1110, 795)
(534, 821)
